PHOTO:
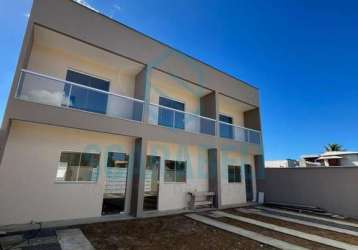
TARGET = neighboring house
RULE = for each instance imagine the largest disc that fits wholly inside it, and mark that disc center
(330, 159)
(102, 119)
(288, 163)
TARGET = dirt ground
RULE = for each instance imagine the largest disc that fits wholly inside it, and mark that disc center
(169, 232)
(312, 230)
(180, 232)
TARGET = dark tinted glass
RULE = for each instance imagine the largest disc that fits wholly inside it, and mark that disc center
(180, 171)
(89, 160)
(231, 173)
(117, 160)
(153, 162)
(234, 174)
(171, 118)
(226, 130)
(169, 173)
(85, 99)
(72, 159)
(238, 174)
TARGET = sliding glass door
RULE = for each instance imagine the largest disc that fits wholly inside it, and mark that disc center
(83, 98)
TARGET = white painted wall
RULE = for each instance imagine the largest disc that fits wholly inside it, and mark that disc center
(288, 163)
(56, 62)
(174, 195)
(349, 160)
(28, 190)
(235, 193)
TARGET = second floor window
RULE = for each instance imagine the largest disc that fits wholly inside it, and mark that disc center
(226, 129)
(170, 117)
(83, 98)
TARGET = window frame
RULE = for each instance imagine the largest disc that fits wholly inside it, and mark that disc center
(172, 109)
(89, 74)
(175, 172)
(92, 76)
(115, 168)
(126, 155)
(77, 181)
(236, 181)
(226, 124)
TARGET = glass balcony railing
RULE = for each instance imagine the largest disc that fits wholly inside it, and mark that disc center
(48, 90)
(230, 131)
(172, 118)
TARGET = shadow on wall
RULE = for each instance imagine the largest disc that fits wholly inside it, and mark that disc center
(333, 188)
(2, 142)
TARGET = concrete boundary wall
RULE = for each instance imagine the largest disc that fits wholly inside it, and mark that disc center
(332, 188)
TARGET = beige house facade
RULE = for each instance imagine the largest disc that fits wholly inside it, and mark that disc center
(103, 120)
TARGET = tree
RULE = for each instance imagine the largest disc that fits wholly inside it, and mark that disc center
(333, 147)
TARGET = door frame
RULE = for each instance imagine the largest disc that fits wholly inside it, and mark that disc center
(248, 166)
(158, 180)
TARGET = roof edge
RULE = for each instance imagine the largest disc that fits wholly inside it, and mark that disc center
(166, 45)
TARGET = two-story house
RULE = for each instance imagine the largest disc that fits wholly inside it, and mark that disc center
(102, 119)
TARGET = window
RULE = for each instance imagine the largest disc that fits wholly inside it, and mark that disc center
(175, 171)
(117, 160)
(169, 117)
(116, 174)
(86, 99)
(234, 174)
(226, 130)
(74, 166)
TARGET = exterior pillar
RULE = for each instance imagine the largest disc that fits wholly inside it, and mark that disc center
(137, 198)
(142, 92)
(217, 111)
(208, 109)
(259, 166)
(252, 119)
(215, 174)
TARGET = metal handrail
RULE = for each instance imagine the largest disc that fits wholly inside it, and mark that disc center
(238, 126)
(134, 99)
(81, 86)
(180, 111)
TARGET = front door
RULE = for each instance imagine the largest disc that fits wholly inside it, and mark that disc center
(116, 182)
(151, 183)
(248, 181)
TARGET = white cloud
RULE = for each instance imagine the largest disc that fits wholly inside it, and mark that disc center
(86, 4)
(117, 7)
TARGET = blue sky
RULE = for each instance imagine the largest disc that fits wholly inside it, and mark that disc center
(301, 54)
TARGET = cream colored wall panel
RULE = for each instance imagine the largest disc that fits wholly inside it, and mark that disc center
(174, 195)
(177, 89)
(56, 62)
(235, 193)
(230, 110)
(29, 169)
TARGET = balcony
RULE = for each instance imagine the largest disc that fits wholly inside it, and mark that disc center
(44, 89)
(173, 118)
(40, 88)
(238, 133)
